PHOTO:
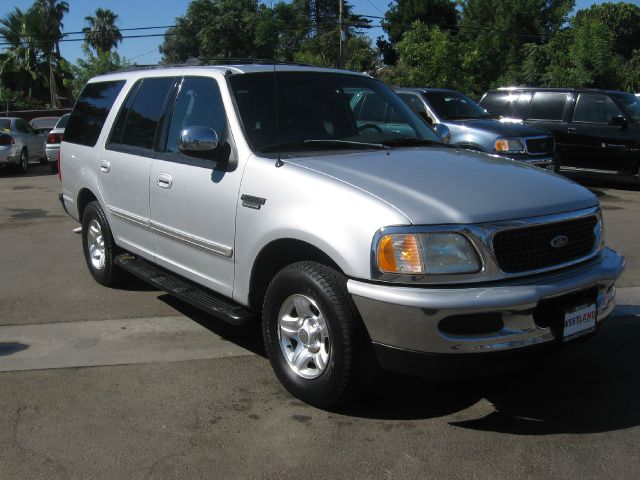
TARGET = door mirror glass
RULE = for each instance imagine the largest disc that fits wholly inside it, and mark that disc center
(443, 132)
(197, 139)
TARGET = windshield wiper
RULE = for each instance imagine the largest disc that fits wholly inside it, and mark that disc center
(350, 144)
(411, 141)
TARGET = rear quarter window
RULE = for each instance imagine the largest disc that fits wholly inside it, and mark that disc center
(90, 112)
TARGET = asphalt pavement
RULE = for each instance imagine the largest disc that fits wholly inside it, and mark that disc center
(131, 383)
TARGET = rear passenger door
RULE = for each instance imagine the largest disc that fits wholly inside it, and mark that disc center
(549, 110)
(125, 163)
(596, 143)
(193, 199)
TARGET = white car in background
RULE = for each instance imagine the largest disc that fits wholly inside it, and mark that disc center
(20, 143)
(54, 139)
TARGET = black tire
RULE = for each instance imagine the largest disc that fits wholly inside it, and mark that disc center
(44, 160)
(351, 365)
(109, 274)
(23, 163)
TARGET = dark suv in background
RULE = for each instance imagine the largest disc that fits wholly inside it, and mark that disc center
(597, 130)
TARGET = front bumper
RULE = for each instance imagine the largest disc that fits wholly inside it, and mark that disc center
(411, 318)
(543, 161)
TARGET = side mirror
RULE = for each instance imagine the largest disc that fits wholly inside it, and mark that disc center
(197, 140)
(443, 132)
(618, 121)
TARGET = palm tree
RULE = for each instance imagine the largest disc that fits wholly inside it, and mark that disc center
(102, 34)
(51, 13)
(21, 31)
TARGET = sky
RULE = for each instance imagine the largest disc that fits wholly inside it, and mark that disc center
(154, 13)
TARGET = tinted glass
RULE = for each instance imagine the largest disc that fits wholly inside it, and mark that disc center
(5, 124)
(90, 112)
(321, 107)
(630, 103)
(22, 126)
(454, 106)
(199, 103)
(414, 102)
(595, 108)
(507, 104)
(548, 106)
(118, 125)
(62, 123)
(142, 121)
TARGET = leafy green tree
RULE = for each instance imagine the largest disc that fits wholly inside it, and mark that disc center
(101, 34)
(492, 34)
(632, 73)
(622, 19)
(94, 64)
(403, 13)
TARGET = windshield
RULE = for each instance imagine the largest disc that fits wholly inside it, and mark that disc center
(454, 106)
(323, 111)
(630, 103)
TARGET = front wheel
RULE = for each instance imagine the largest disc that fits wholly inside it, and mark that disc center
(314, 337)
(99, 248)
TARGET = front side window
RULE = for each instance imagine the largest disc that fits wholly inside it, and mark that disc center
(199, 104)
(90, 112)
(22, 126)
(630, 103)
(595, 108)
(548, 106)
(322, 111)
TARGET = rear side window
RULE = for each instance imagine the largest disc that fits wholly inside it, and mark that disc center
(595, 108)
(90, 112)
(142, 118)
(507, 104)
(548, 106)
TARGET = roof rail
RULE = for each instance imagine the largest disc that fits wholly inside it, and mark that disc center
(194, 62)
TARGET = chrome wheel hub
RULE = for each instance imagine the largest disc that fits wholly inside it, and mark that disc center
(304, 336)
(95, 244)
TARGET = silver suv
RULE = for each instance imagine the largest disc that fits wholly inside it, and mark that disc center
(472, 127)
(255, 192)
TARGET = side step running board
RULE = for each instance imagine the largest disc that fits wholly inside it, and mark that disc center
(185, 290)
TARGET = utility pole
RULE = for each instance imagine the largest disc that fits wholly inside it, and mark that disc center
(343, 37)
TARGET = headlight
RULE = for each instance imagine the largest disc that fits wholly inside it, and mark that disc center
(508, 145)
(426, 253)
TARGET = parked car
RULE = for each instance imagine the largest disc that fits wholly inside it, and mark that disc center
(19, 143)
(595, 130)
(472, 127)
(43, 124)
(54, 138)
(255, 193)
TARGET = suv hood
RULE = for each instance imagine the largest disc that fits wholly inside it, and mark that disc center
(443, 185)
(500, 129)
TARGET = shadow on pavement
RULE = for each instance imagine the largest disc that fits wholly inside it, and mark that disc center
(601, 180)
(35, 170)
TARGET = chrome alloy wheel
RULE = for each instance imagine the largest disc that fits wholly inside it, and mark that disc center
(95, 244)
(304, 336)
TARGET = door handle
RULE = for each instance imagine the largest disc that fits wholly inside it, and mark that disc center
(105, 166)
(164, 180)
(571, 130)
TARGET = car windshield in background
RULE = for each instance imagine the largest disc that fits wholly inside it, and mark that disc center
(323, 111)
(5, 125)
(630, 103)
(455, 106)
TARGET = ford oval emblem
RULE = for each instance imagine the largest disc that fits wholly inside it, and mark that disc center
(559, 241)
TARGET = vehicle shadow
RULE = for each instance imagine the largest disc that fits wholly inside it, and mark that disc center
(598, 180)
(35, 170)
(587, 387)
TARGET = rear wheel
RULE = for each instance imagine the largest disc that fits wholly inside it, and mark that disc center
(23, 163)
(99, 248)
(314, 337)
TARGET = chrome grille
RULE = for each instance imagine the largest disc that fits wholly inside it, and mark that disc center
(530, 248)
(540, 145)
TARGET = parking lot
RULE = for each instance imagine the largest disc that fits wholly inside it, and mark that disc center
(131, 383)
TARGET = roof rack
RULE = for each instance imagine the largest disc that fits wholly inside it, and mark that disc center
(195, 62)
